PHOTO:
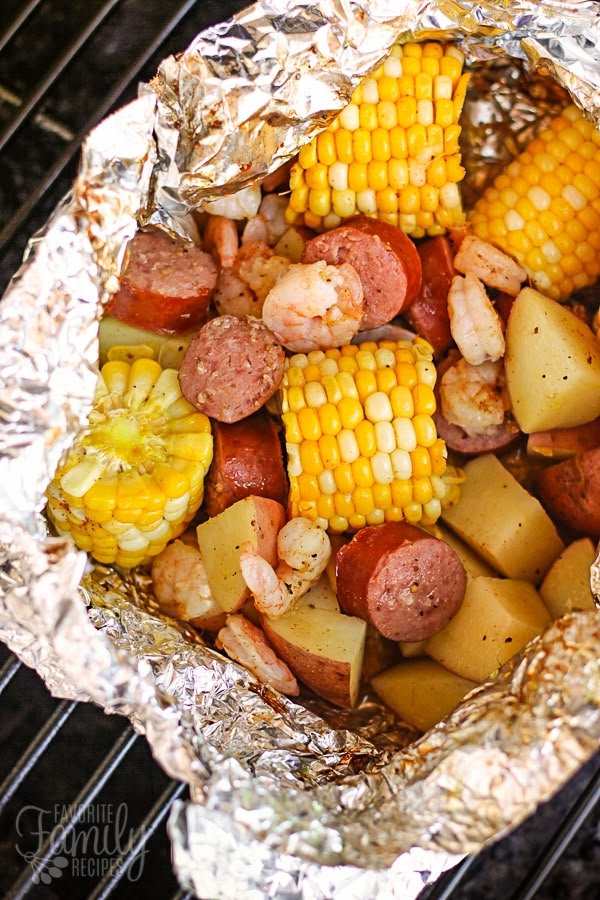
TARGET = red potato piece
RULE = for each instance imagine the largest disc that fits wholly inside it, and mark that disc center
(231, 368)
(247, 460)
(428, 313)
(570, 493)
(167, 284)
(257, 520)
(405, 583)
(386, 260)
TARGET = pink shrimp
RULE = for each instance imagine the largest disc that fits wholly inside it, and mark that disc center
(246, 644)
(181, 585)
(303, 549)
(220, 235)
(315, 306)
(241, 289)
(269, 223)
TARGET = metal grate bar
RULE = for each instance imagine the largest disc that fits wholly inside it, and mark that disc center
(553, 850)
(138, 840)
(444, 887)
(8, 672)
(92, 788)
(20, 770)
(43, 86)
(16, 23)
(22, 214)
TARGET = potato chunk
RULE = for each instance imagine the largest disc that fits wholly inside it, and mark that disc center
(421, 691)
(323, 648)
(552, 365)
(254, 519)
(502, 522)
(566, 586)
(497, 618)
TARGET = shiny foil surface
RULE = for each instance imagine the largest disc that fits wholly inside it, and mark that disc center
(289, 800)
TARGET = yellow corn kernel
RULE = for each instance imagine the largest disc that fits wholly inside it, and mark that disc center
(344, 477)
(361, 145)
(307, 156)
(382, 496)
(377, 175)
(326, 153)
(362, 473)
(362, 500)
(343, 146)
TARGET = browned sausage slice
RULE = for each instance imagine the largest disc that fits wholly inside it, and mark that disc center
(494, 439)
(570, 492)
(386, 260)
(247, 461)
(167, 285)
(231, 367)
(404, 582)
(428, 313)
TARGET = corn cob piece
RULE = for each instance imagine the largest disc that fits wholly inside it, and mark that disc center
(544, 209)
(362, 446)
(393, 152)
(134, 476)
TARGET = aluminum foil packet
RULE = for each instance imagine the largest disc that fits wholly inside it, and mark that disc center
(289, 800)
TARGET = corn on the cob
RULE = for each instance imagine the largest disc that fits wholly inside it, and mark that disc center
(361, 443)
(544, 209)
(393, 152)
(135, 475)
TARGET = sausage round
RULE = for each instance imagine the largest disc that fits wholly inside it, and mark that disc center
(167, 284)
(386, 260)
(401, 580)
(247, 460)
(231, 368)
(570, 492)
(496, 438)
(428, 313)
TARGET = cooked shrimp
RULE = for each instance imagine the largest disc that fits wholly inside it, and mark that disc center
(474, 397)
(303, 549)
(220, 234)
(246, 644)
(241, 290)
(279, 178)
(474, 323)
(181, 585)
(315, 306)
(490, 265)
(269, 224)
(241, 205)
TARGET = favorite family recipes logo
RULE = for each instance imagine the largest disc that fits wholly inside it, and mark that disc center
(86, 842)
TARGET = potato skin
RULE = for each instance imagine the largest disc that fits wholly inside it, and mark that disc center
(570, 492)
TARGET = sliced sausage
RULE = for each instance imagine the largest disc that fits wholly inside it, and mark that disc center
(386, 260)
(167, 285)
(570, 493)
(247, 461)
(401, 580)
(494, 439)
(428, 313)
(231, 367)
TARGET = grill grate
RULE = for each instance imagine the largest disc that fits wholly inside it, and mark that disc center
(68, 761)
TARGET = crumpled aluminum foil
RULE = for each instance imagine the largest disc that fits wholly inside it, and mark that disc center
(288, 800)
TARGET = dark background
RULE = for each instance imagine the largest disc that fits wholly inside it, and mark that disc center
(40, 159)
